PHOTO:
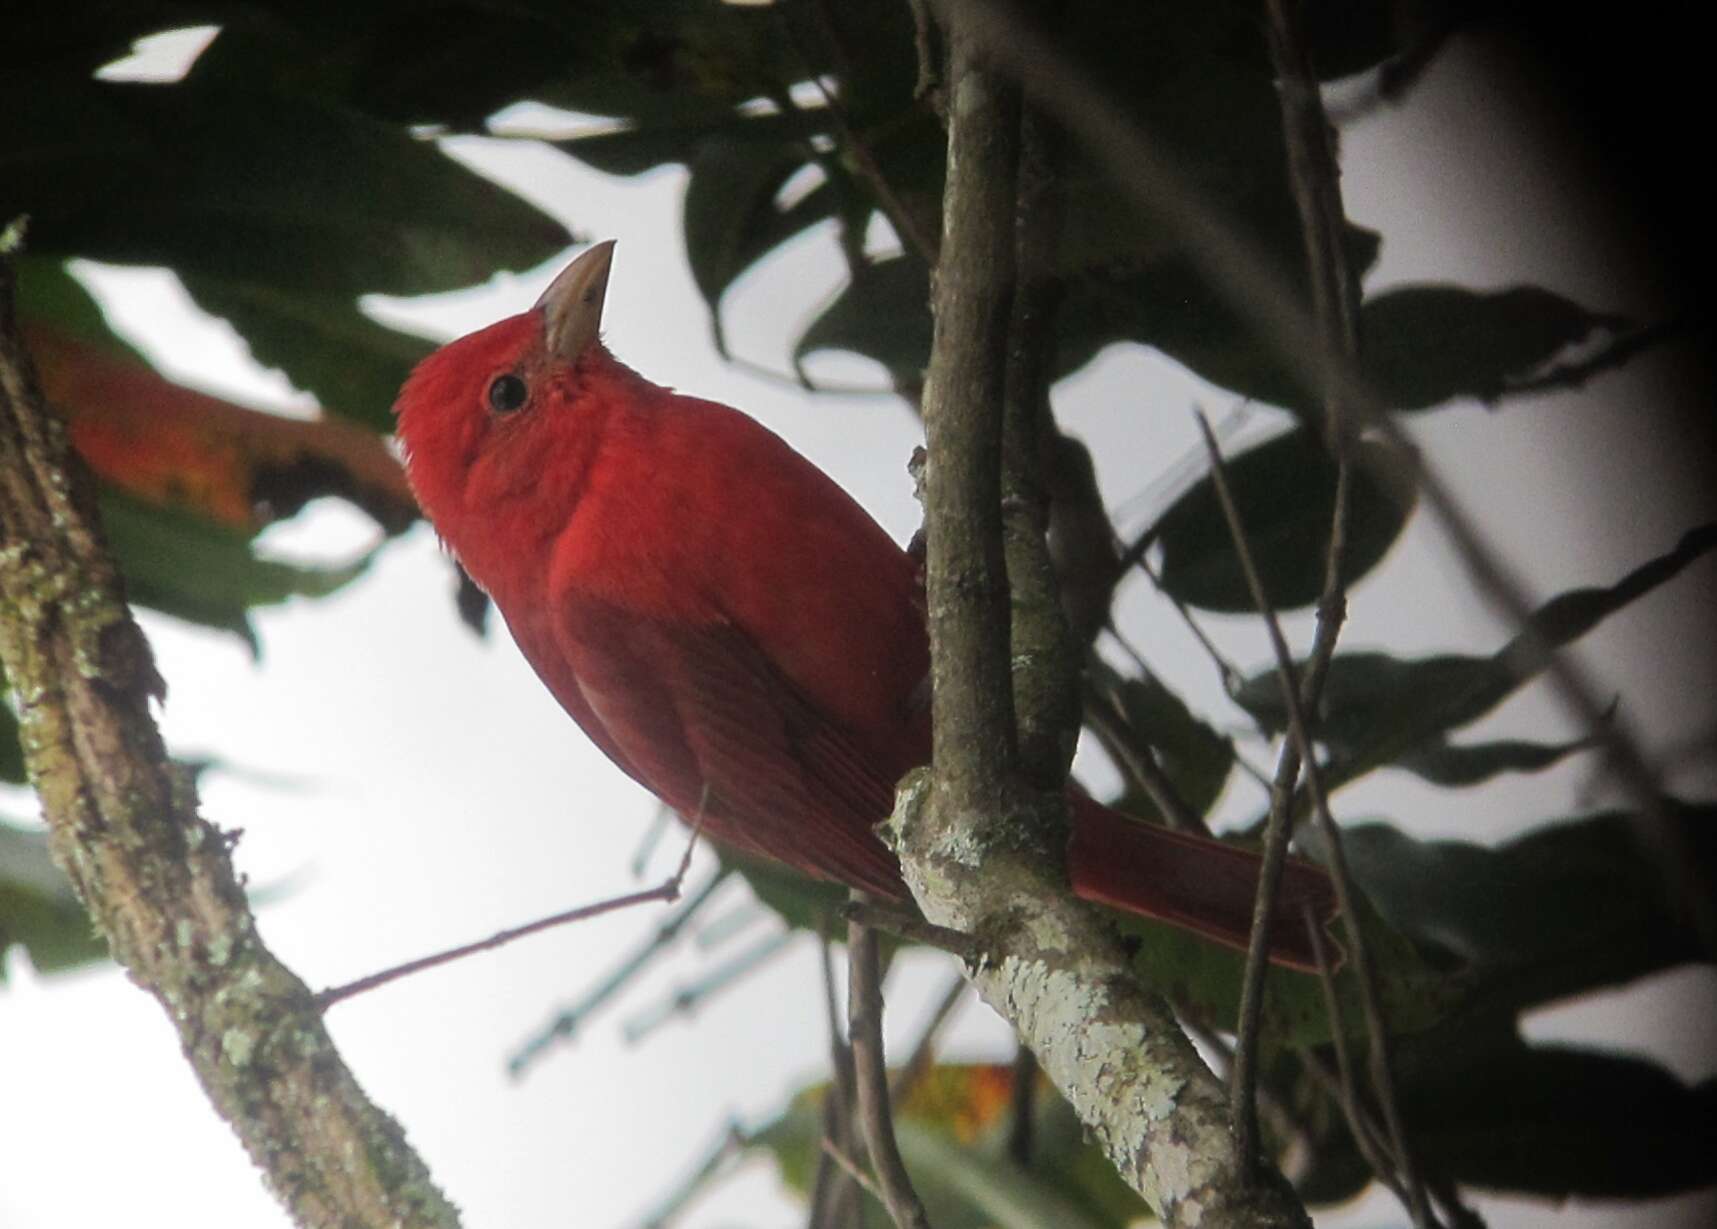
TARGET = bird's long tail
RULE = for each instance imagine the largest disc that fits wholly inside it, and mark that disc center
(1194, 882)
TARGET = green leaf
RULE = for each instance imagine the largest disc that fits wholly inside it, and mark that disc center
(731, 217)
(38, 908)
(323, 343)
(1203, 980)
(1453, 765)
(1426, 345)
(802, 902)
(49, 294)
(254, 185)
(1486, 1109)
(952, 1129)
(1377, 708)
(1569, 907)
(637, 148)
(206, 573)
(1285, 492)
(883, 313)
(80, 38)
(1196, 759)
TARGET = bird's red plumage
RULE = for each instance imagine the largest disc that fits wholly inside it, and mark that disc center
(727, 624)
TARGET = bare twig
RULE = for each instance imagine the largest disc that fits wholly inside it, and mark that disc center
(1230, 675)
(1343, 1087)
(928, 87)
(156, 877)
(667, 890)
(913, 231)
(1298, 1144)
(845, 1162)
(567, 1022)
(1139, 763)
(731, 1143)
(1376, 1029)
(876, 915)
(685, 1000)
(834, 1197)
(1315, 179)
(870, 1076)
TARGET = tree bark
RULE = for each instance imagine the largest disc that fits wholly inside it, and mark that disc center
(981, 846)
(155, 876)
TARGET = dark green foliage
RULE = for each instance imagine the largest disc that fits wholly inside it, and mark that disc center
(38, 910)
(1379, 709)
(1285, 492)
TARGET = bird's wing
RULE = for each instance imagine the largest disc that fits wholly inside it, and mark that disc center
(701, 717)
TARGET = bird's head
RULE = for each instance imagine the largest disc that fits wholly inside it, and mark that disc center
(482, 418)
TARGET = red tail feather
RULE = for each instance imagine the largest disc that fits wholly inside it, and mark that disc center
(1203, 885)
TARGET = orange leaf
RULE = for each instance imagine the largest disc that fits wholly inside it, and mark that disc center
(172, 445)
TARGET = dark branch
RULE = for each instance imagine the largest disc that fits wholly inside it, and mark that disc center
(870, 1077)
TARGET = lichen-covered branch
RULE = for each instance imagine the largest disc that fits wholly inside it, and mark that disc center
(155, 876)
(978, 840)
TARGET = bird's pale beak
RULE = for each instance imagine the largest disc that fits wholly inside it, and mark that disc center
(572, 305)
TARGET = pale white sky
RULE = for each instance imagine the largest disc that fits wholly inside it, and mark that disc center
(421, 788)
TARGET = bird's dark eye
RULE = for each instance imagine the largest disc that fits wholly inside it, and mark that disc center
(507, 393)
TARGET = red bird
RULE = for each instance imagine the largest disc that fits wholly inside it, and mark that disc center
(725, 622)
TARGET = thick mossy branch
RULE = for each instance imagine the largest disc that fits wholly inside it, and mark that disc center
(154, 875)
(978, 833)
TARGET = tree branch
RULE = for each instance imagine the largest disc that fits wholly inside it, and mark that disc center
(1315, 178)
(870, 1077)
(155, 876)
(979, 847)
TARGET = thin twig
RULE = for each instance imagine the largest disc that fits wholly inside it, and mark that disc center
(685, 1000)
(876, 915)
(1298, 1149)
(870, 1077)
(567, 1022)
(911, 229)
(852, 1169)
(1231, 676)
(1315, 180)
(667, 890)
(732, 1142)
(653, 833)
(1369, 998)
(928, 86)
(1343, 1087)
(834, 1198)
(1139, 763)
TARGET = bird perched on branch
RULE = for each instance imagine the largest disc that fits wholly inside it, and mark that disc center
(726, 623)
